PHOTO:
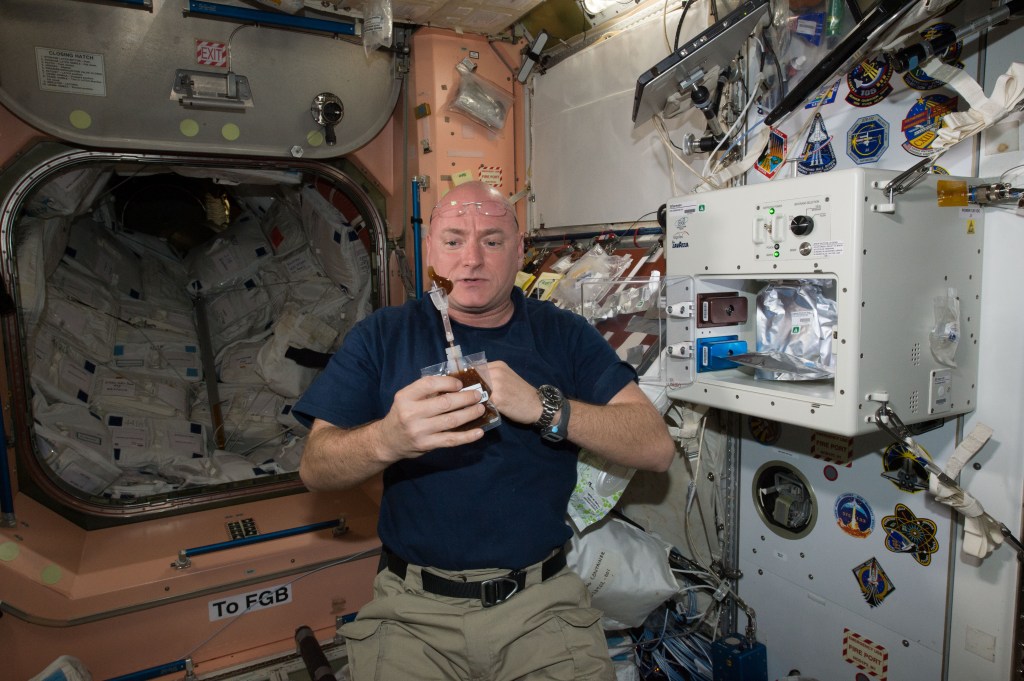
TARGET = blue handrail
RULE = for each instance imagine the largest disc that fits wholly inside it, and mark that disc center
(153, 672)
(185, 554)
(417, 221)
(267, 18)
(6, 494)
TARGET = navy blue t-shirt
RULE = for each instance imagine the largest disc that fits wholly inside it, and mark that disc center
(499, 502)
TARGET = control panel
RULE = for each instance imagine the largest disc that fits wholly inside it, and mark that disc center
(794, 228)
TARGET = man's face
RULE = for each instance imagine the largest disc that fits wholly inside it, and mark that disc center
(479, 253)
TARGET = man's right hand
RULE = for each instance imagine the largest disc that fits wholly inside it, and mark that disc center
(425, 413)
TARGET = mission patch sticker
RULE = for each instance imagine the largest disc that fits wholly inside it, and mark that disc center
(873, 582)
(823, 98)
(853, 515)
(869, 81)
(906, 533)
(867, 139)
(923, 121)
(765, 431)
(818, 156)
(774, 154)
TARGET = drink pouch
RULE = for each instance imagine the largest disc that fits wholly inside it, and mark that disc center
(472, 371)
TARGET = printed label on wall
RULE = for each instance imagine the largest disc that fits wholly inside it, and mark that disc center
(866, 655)
(254, 600)
(71, 71)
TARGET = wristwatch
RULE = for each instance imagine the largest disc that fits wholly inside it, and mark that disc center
(551, 401)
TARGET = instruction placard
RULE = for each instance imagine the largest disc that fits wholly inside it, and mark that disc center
(71, 71)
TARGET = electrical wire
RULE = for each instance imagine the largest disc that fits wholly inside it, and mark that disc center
(1002, 176)
(739, 119)
(679, 26)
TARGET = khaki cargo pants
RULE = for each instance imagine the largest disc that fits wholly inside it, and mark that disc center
(546, 632)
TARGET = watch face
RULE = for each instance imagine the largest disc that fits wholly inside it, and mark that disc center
(551, 395)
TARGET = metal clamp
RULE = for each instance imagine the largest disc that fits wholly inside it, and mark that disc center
(904, 182)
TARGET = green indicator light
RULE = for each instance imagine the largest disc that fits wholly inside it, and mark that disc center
(771, 211)
(776, 254)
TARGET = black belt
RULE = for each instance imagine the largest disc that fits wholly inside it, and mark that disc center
(490, 591)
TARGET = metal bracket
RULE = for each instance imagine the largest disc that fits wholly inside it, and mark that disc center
(904, 182)
(680, 350)
(207, 90)
(681, 310)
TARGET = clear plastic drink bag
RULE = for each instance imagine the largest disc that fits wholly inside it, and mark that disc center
(472, 371)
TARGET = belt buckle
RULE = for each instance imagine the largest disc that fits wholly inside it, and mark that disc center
(491, 591)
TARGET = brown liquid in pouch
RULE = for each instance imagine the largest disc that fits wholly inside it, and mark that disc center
(446, 284)
(469, 377)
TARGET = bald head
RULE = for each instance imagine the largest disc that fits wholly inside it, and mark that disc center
(462, 198)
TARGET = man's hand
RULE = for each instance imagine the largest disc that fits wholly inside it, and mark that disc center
(424, 415)
(515, 399)
(421, 419)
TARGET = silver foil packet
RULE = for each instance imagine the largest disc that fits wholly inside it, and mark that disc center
(796, 323)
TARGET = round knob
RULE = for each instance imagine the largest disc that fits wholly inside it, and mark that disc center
(333, 112)
(801, 225)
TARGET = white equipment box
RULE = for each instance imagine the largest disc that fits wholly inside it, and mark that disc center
(883, 259)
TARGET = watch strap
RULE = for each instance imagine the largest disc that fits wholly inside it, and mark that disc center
(557, 432)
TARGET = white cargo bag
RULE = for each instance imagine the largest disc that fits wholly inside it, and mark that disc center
(228, 259)
(337, 246)
(60, 371)
(93, 249)
(237, 363)
(238, 313)
(625, 569)
(137, 441)
(282, 226)
(77, 464)
(298, 330)
(157, 353)
(139, 394)
(73, 421)
(85, 328)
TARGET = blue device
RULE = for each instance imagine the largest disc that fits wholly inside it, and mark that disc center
(735, 658)
(713, 353)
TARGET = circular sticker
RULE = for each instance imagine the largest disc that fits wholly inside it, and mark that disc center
(765, 431)
(869, 81)
(314, 138)
(51, 574)
(853, 515)
(230, 132)
(189, 127)
(9, 550)
(902, 469)
(831, 474)
(80, 119)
